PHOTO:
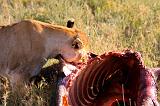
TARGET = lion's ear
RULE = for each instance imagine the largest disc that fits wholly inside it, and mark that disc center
(70, 23)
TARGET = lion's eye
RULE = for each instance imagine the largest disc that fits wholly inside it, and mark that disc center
(76, 45)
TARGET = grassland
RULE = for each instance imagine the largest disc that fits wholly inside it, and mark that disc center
(110, 24)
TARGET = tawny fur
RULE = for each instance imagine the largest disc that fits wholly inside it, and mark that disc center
(24, 46)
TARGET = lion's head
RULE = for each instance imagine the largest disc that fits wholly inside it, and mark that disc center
(69, 42)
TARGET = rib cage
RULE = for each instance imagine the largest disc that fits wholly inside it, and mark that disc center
(111, 79)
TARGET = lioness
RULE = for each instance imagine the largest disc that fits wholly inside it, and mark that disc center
(24, 46)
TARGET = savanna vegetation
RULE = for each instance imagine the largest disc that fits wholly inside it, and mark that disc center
(110, 24)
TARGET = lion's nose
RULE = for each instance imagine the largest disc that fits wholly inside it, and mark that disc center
(79, 56)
